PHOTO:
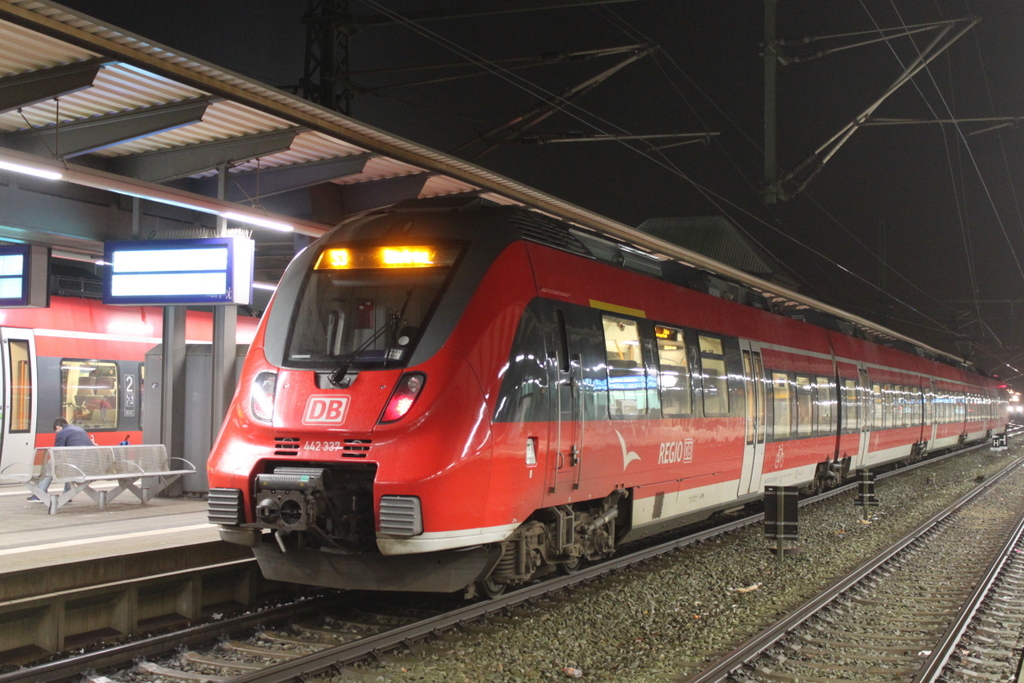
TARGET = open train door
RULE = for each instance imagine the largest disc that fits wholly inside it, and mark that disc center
(754, 383)
(17, 378)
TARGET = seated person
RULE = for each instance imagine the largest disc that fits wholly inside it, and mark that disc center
(67, 435)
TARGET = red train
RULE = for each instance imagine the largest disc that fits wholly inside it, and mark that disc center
(81, 360)
(444, 395)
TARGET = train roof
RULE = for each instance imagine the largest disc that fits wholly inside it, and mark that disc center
(687, 268)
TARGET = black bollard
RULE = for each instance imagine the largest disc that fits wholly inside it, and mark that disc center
(780, 515)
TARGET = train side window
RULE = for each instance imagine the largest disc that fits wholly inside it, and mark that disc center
(899, 403)
(781, 406)
(886, 406)
(851, 406)
(714, 378)
(876, 400)
(627, 380)
(825, 406)
(21, 387)
(674, 372)
(523, 396)
(804, 405)
(89, 393)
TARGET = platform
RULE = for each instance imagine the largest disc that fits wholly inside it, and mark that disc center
(30, 538)
(87, 574)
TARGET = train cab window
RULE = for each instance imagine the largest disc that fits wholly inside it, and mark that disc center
(627, 378)
(89, 393)
(367, 306)
(781, 400)
(21, 386)
(714, 378)
(804, 405)
(674, 372)
(826, 405)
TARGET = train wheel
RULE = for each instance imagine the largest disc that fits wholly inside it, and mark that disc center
(570, 567)
(491, 589)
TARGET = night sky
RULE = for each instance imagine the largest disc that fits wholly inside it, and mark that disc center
(917, 227)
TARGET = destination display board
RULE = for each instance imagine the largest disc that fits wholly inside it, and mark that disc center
(212, 271)
(24, 276)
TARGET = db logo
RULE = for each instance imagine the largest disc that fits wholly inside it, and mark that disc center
(325, 410)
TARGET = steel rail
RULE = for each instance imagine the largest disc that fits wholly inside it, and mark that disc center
(345, 654)
(67, 669)
(756, 645)
(72, 668)
(936, 661)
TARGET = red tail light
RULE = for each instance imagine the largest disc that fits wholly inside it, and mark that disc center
(404, 396)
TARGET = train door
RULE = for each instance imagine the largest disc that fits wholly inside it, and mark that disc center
(754, 383)
(19, 398)
(862, 401)
(565, 370)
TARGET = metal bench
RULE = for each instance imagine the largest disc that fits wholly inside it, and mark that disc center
(143, 470)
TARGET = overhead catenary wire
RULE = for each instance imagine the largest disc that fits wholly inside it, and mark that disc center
(589, 118)
(981, 179)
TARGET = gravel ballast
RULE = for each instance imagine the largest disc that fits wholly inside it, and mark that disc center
(661, 620)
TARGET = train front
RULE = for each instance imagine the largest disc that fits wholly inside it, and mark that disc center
(354, 454)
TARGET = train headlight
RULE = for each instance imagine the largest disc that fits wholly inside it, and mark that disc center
(404, 396)
(262, 403)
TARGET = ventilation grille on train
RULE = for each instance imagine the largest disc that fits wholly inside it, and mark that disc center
(350, 448)
(286, 445)
(401, 516)
(356, 448)
(224, 506)
(536, 228)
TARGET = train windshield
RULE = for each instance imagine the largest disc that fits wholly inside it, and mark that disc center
(360, 309)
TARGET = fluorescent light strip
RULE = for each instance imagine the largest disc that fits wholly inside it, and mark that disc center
(31, 170)
(257, 220)
(19, 162)
(264, 285)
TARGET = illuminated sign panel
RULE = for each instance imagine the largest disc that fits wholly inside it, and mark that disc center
(217, 270)
(24, 276)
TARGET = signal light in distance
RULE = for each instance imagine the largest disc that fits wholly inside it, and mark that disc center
(404, 396)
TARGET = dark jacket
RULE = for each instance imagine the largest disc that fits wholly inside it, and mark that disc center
(72, 435)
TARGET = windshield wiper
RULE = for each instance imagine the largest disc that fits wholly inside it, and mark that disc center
(337, 376)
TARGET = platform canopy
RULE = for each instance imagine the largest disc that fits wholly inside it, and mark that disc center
(116, 118)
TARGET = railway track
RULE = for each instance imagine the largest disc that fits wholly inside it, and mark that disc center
(901, 615)
(315, 644)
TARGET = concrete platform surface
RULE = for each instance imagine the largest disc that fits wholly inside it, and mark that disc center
(30, 538)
